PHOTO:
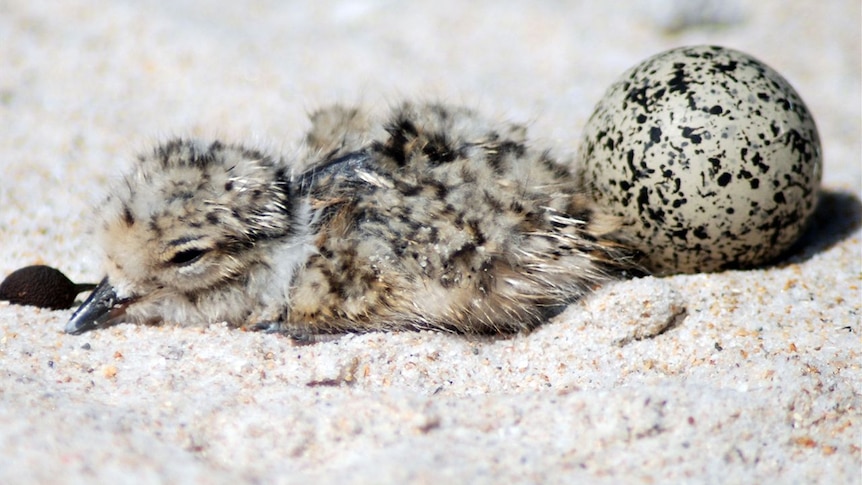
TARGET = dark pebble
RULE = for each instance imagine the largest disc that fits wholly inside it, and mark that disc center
(41, 286)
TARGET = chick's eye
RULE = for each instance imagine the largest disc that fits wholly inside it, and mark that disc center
(187, 256)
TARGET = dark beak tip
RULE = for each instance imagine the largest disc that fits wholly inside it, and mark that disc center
(75, 328)
(95, 312)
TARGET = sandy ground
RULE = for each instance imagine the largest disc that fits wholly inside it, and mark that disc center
(759, 382)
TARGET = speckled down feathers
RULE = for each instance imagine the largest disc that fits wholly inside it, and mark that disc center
(433, 218)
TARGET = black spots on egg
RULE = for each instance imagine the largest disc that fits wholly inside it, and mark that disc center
(643, 199)
(753, 181)
(656, 215)
(714, 164)
(775, 129)
(704, 134)
(800, 145)
(627, 196)
(757, 161)
(646, 96)
(692, 135)
(678, 83)
(601, 136)
(638, 96)
(655, 134)
(638, 166)
(726, 69)
(680, 233)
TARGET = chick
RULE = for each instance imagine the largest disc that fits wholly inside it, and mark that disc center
(433, 218)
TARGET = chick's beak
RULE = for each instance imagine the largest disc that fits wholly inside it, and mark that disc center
(101, 309)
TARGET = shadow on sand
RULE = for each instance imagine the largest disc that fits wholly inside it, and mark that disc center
(838, 214)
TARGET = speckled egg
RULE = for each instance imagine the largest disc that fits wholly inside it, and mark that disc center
(708, 155)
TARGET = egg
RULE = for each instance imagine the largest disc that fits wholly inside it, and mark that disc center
(709, 157)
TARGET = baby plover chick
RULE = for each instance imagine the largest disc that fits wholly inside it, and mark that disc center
(433, 218)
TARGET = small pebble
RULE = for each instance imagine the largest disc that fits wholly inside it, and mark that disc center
(41, 286)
